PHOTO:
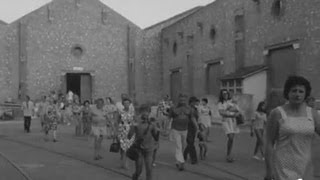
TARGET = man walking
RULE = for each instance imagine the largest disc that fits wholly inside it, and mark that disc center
(192, 132)
(182, 115)
(28, 112)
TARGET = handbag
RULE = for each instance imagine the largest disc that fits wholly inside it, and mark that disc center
(134, 150)
(239, 119)
(115, 146)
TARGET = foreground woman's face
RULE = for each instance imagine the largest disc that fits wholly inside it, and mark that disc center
(297, 94)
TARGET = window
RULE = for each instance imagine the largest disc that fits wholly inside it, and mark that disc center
(212, 33)
(166, 42)
(175, 48)
(77, 51)
(234, 86)
(200, 26)
(277, 8)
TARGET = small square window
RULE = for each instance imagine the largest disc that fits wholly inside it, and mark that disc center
(231, 83)
(238, 82)
(224, 84)
(239, 91)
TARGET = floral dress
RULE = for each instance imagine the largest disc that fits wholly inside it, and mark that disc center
(51, 118)
(124, 127)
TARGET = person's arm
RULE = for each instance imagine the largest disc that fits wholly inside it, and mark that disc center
(193, 119)
(132, 131)
(316, 118)
(272, 131)
(155, 132)
(225, 113)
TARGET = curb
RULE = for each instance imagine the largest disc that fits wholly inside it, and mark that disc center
(27, 177)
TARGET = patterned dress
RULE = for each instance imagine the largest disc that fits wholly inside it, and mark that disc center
(293, 146)
(124, 127)
(51, 118)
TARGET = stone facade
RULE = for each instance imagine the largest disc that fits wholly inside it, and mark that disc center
(201, 45)
(39, 46)
(149, 70)
(267, 25)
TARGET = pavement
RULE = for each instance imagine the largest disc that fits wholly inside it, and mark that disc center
(72, 157)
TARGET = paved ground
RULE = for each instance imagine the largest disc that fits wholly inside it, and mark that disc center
(71, 157)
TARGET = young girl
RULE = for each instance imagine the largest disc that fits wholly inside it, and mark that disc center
(205, 117)
(258, 123)
(202, 141)
(157, 144)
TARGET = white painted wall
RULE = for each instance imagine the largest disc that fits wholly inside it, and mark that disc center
(257, 86)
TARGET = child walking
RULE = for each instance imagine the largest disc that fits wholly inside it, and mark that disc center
(157, 144)
(202, 134)
(146, 135)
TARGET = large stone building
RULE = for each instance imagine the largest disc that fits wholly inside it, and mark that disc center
(77, 45)
(245, 46)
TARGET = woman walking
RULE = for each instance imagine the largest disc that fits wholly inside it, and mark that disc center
(258, 124)
(111, 110)
(146, 135)
(98, 127)
(290, 131)
(51, 120)
(86, 118)
(228, 112)
(76, 111)
(125, 121)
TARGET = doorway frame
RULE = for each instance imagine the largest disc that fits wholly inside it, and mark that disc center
(63, 79)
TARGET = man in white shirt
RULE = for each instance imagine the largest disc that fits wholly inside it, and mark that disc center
(28, 112)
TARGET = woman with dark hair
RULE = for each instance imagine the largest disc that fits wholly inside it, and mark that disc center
(258, 123)
(290, 131)
(86, 118)
(111, 110)
(125, 121)
(229, 112)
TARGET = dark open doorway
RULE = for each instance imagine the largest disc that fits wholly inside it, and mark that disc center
(74, 83)
(80, 84)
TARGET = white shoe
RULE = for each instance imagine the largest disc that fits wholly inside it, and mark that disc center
(256, 157)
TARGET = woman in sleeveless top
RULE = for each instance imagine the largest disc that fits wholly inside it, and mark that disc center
(258, 125)
(290, 131)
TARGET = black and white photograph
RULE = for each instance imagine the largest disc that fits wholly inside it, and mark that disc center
(159, 89)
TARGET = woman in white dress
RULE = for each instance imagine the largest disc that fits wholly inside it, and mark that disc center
(229, 112)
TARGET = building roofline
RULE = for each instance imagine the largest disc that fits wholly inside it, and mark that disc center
(242, 75)
(52, 1)
(200, 9)
(195, 9)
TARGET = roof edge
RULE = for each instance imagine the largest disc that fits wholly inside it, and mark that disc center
(195, 9)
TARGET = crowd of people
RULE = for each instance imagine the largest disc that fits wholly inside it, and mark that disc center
(285, 147)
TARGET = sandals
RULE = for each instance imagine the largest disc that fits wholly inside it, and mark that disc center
(230, 159)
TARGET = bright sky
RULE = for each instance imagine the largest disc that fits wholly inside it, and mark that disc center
(142, 12)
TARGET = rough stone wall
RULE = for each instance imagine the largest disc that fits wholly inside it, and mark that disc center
(55, 28)
(197, 43)
(300, 21)
(149, 65)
